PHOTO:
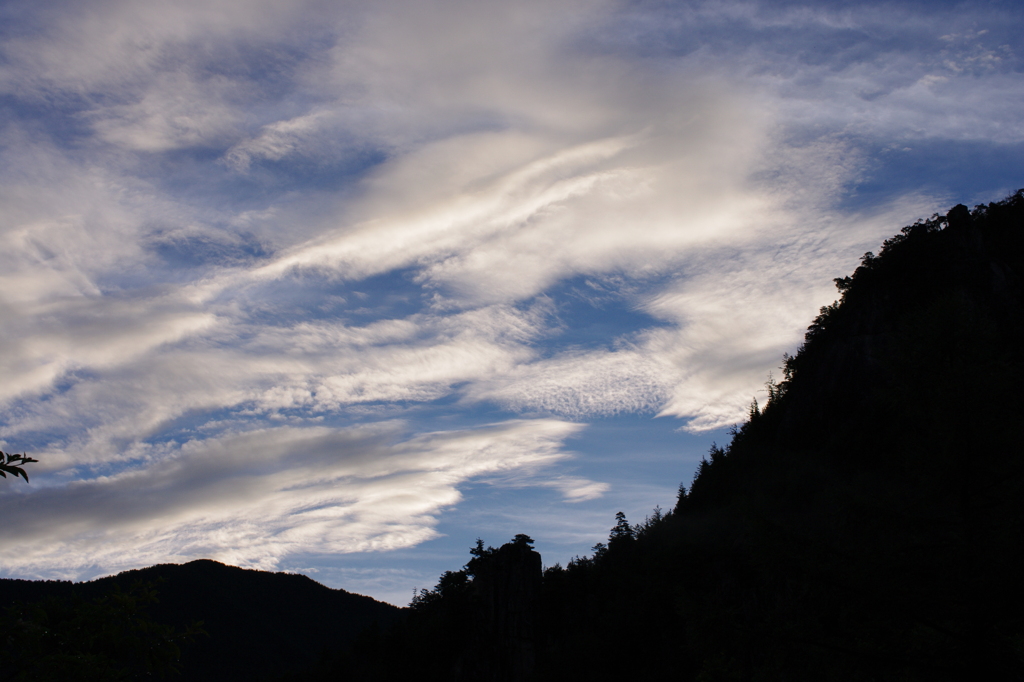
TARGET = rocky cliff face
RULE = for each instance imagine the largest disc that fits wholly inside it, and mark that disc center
(506, 590)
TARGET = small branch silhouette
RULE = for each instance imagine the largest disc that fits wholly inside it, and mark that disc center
(11, 463)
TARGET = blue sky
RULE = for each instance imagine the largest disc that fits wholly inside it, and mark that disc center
(338, 287)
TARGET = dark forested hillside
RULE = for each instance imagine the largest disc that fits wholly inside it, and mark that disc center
(866, 523)
(875, 503)
(252, 625)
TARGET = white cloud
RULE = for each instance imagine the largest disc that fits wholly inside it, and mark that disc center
(104, 45)
(174, 112)
(495, 217)
(64, 223)
(278, 140)
(75, 333)
(583, 385)
(254, 498)
(148, 368)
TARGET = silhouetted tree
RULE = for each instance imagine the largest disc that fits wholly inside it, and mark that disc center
(621, 534)
(11, 463)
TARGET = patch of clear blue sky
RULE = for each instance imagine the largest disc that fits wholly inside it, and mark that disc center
(310, 295)
(968, 172)
(594, 312)
(190, 251)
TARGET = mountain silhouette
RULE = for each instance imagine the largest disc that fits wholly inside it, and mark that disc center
(259, 625)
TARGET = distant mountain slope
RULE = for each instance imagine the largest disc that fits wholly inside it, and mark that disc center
(261, 625)
(867, 523)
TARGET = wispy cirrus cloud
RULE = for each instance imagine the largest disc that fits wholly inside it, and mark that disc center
(297, 223)
(253, 497)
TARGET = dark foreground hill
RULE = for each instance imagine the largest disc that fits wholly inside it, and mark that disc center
(258, 625)
(866, 524)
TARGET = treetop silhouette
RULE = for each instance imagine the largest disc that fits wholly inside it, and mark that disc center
(11, 463)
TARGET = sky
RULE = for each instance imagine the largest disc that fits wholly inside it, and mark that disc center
(338, 287)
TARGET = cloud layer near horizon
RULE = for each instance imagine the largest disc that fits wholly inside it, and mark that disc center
(251, 497)
(250, 251)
